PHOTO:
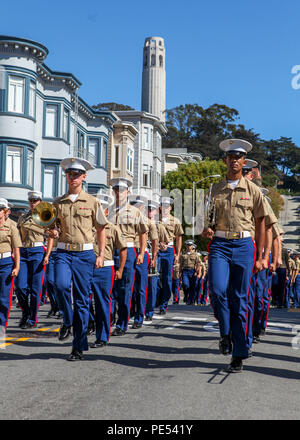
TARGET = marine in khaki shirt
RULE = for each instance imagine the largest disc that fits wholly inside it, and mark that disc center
(10, 240)
(76, 220)
(172, 226)
(236, 208)
(30, 232)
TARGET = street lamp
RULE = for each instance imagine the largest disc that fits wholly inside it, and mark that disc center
(193, 197)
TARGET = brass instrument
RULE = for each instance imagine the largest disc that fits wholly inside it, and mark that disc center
(44, 214)
(152, 271)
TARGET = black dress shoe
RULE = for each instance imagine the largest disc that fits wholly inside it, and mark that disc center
(91, 328)
(162, 312)
(75, 355)
(236, 365)
(64, 332)
(118, 332)
(263, 332)
(23, 322)
(98, 344)
(136, 325)
(256, 339)
(51, 313)
(148, 318)
(225, 345)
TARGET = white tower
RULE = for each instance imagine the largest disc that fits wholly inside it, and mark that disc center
(154, 77)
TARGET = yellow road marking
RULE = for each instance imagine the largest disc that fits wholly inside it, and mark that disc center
(15, 340)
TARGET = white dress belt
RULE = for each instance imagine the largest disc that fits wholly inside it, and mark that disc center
(232, 235)
(5, 255)
(108, 263)
(130, 244)
(76, 247)
(36, 244)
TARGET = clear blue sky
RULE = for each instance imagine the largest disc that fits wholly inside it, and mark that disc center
(237, 53)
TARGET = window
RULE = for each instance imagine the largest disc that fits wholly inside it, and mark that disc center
(153, 60)
(29, 168)
(147, 176)
(104, 155)
(14, 159)
(146, 138)
(31, 107)
(93, 150)
(161, 61)
(51, 120)
(151, 139)
(130, 154)
(16, 93)
(49, 183)
(65, 131)
(117, 156)
(63, 183)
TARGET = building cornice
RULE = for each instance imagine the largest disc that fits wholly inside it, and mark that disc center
(29, 47)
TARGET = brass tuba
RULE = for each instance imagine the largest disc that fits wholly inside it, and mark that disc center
(44, 214)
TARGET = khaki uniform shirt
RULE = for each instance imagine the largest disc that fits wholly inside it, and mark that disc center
(151, 233)
(130, 221)
(297, 263)
(30, 232)
(173, 227)
(236, 208)
(189, 260)
(291, 265)
(114, 240)
(75, 220)
(11, 222)
(163, 236)
(176, 271)
(9, 238)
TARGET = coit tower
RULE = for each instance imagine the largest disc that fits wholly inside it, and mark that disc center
(154, 77)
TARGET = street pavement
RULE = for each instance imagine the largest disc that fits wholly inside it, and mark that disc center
(169, 369)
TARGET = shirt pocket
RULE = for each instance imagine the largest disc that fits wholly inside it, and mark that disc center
(83, 218)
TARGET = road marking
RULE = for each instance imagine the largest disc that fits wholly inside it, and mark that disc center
(15, 340)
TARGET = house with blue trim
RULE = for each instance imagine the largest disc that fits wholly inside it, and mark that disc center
(42, 120)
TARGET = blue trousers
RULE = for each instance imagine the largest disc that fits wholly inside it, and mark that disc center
(266, 300)
(140, 289)
(165, 260)
(203, 298)
(199, 285)
(6, 290)
(231, 265)
(262, 286)
(176, 289)
(29, 282)
(75, 269)
(102, 285)
(188, 285)
(50, 282)
(151, 295)
(123, 290)
(297, 291)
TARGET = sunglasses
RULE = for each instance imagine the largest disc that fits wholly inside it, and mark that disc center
(73, 174)
(34, 200)
(235, 155)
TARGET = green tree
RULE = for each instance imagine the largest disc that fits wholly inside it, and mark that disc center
(112, 106)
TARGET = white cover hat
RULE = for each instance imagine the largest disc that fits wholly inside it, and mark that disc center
(121, 182)
(76, 163)
(34, 195)
(3, 203)
(238, 145)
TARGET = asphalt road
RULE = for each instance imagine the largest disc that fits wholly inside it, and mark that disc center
(170, 369)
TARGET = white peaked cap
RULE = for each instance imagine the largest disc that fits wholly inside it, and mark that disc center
(250, 163)
(121, 182)
(3, 203)
(34, 195)
(76, 163)
(235, 145)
